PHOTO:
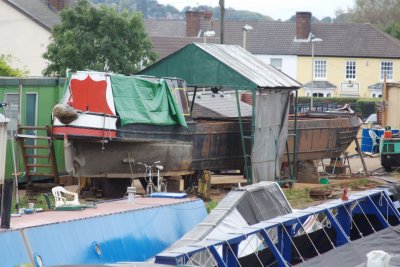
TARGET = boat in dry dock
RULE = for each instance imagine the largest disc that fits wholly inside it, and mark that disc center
(322, 134)
(153, 124)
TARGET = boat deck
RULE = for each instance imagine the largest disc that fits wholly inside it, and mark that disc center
(102, 209)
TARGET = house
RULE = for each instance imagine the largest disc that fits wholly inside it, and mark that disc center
(348, 59)
(25, 30)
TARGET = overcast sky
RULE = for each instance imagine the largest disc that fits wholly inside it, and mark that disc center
(281, 9)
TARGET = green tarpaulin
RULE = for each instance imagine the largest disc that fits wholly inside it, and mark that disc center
(141, 101)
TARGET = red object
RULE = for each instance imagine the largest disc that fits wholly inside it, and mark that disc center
(344, 196)
(387, 134)
(89, 95)
(79, 131)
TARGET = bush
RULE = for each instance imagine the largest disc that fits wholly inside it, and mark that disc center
(362, 106)
(367, 106)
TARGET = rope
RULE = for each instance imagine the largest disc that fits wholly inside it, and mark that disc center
(366, 217)
(351, 219)
(309, 238)
(323, 229)
(237, 260)
(339, 225)
(387, 205)
(255, 250)
(294, 245)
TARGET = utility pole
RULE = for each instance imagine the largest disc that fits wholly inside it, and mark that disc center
(222, 6)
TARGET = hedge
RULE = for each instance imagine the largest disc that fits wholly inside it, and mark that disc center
(363, 106)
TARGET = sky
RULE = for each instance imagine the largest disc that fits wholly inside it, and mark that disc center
(281, 9)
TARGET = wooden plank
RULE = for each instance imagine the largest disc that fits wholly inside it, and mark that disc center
(39, 174)
(37, 156)
(37, 147)
(35, 137)
(39, 165)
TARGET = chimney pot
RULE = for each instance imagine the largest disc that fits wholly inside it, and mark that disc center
(192, 23)
(303, 25)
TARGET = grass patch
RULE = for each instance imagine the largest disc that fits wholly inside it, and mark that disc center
(298, 198)
(210, 205)
(38, 200)
(359, 182)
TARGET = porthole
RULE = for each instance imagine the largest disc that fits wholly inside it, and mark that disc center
(38, 260)
(97, 249)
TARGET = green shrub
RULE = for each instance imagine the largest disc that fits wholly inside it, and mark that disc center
(367, 106)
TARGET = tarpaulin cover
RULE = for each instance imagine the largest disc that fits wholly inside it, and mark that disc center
(354, 253)
(142, 101)
(270, 135)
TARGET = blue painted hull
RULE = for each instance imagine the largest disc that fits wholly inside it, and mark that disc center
(135, 235)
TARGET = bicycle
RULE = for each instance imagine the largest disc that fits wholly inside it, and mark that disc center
(161, 182)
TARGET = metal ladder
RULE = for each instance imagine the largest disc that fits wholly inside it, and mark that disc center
(247, 151)
(37, 148)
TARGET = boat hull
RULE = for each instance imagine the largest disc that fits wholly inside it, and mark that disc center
(322, 137)
(204, 145)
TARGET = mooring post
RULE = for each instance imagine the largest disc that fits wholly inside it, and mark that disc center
(6, 203)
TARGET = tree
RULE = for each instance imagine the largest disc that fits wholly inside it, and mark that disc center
(98, 39)
(377, 12)
(327, 20)
(393, 29)
(7, 71)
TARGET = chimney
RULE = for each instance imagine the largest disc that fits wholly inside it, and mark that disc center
(192, 23)
(303, 25)
(207, 15)
(59, 4)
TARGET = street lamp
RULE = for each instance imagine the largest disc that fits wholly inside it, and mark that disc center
(313, 40)
(246, 28)
(208, 34)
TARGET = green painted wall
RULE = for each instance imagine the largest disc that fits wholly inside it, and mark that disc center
(48, 91)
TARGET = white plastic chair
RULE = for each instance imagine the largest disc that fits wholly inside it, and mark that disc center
(60, 200)
(375, 140)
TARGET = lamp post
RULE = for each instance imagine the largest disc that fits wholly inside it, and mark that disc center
(208, 34)
(246, 28)
(313, 40)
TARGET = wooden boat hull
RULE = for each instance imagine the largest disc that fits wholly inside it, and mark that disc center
(322, 136)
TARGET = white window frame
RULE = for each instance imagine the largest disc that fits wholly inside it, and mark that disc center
(320, 69)
(386, 71)
(351, 70)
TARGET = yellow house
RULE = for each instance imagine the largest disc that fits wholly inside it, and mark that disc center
(348, 59)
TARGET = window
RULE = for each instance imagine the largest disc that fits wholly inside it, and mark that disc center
(319, 69)
(351, 70)
(11, 111)
(387, 70)
(277, 63)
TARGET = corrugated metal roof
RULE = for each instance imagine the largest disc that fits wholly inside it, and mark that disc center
(247, 65)
(218, 106)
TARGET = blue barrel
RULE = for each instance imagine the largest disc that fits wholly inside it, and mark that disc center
(366, 141)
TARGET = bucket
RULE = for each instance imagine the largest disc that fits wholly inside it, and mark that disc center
(131, 194)
(324, 180)
(387, 134)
